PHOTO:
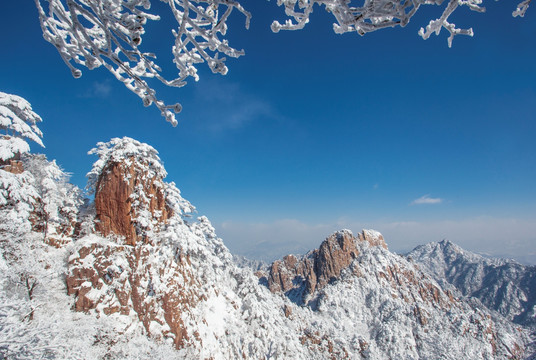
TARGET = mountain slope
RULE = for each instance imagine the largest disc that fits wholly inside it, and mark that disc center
(136, 275)
(502, 285)
(382, 306)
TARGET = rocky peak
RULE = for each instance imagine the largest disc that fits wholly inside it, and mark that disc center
(502, 285)
(374, 238)
(129, 191)
(144, 275)
(320, 266)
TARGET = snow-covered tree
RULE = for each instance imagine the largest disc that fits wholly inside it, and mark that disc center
(18, 122)
(57, 206)
(18, 197)
(36, 201)
(94, 33)
(35, 204)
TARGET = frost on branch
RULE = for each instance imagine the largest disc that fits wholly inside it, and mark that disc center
(18, 121)
(94, 33)
(521, 8)
(363, 16)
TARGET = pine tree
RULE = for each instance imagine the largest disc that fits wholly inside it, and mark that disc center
(19, 122)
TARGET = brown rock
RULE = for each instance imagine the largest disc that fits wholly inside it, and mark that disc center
(116, 208)
(109, 287)
(116, 277)
(12, 166)
(374, 238)
(287, 310)
(320, 266)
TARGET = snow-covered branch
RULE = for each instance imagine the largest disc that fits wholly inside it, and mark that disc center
(521, 8)
(108, 33)
(363, 16)
(94, 33)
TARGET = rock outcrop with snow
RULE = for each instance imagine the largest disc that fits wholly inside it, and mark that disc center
(321, 266)
(129, 190)
(382, 306)
(502, 285)
(141, 277)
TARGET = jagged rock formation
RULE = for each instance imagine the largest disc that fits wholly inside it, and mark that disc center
(394, 307)
(120, 276)
(129, 191)
(168, 287)
(316, 269)
(123, 279)
(502, 285)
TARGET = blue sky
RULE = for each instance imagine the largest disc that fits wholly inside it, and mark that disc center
(312, 131)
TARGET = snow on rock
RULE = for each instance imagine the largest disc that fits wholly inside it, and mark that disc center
(502, 285)
(382, 306)
(129, 190)
(151, 283)
(315, 270)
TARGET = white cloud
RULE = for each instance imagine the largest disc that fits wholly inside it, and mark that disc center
(227, 106)
(500, 237)
(99, 90)
(426, 199)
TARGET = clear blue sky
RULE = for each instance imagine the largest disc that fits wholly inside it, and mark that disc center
(312, 131)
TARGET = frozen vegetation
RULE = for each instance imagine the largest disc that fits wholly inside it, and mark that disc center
(167, 287)
(108, 33)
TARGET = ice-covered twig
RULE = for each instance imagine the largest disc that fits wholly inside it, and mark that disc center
(363, 16)
(94, 33)
(521, 8)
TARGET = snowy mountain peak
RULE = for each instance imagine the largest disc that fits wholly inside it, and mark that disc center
(130, 194)
(301, 277)
(127, 151)
(168, 288)
(502, 285)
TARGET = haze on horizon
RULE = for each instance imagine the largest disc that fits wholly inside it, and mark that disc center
(311, 132)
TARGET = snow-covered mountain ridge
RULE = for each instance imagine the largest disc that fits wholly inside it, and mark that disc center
(135, 275)
(501, 285)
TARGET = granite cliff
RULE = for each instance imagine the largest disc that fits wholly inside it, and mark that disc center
(141, 277)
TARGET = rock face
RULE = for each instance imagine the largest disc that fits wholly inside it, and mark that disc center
(121, 275)
(122, 279)
(12, 166)
(125, 190)
(321, 265)
(502, 285)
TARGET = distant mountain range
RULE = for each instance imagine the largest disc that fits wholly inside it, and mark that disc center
(134, 274)
(501, 285)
